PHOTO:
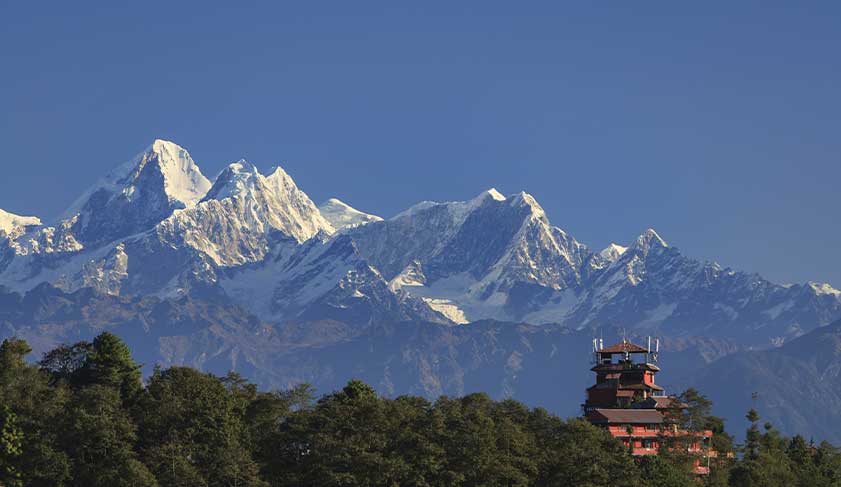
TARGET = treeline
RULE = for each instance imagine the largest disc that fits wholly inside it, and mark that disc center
(82, 417)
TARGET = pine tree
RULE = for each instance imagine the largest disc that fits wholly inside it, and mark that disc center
(109, 363)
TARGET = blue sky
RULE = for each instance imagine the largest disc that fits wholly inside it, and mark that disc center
(717, 123)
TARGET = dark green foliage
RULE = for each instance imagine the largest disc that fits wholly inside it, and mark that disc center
(191, 426)
(81, 417)
(659, 471)
(65, 362)
(39, 410)
(11, 441)
(110, 364)
(100, 437)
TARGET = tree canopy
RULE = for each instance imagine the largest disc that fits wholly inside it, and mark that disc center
(83, 417)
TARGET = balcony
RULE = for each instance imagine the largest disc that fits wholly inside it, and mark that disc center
(633, 432)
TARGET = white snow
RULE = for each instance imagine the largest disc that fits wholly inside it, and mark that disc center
(523, 198)
(447, 308)
(411, 276)
(650, 238)
(184, 184)
(238, 178)
(612, 252)
(458, 209)
(824, 288)
(493, 193)
(423, 205)
(13, 224)
(231, 224)
(183, 181)
(341, 215)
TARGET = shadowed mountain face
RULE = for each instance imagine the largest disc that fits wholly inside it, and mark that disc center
(246, 272)
(541, 365)
(797, 386)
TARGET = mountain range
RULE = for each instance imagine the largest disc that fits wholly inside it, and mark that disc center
(247, 272)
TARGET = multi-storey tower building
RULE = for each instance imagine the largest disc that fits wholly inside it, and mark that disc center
(632, 407)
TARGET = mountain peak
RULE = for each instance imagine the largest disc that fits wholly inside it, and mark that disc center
(161, 145)
(648, 240)
(138, 194)
(279, 172)
(237, 178)
(524, 199)
(183, 180)
(274, 200)
(341, 215)
(612, 252)
(493, 194)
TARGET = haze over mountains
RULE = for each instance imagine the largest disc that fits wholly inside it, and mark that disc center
(247, 272)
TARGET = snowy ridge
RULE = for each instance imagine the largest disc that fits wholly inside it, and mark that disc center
(233, 222)
(13, 224)
(157, 226)
(341, 215)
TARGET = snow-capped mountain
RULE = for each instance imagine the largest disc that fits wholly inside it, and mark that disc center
(341, 215)
(155, 226)
(232, 222)
(138, 195)
(484, 258)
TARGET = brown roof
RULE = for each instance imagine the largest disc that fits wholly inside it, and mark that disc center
(624, 347)
(625, 416)
(641, 386)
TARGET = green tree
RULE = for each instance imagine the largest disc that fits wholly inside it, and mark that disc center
(109, 363)
(765, 461)
(101, 437)
(66, 361)
(657, 471)
(574, 452)
(37, 408)
(13, 352)
(191, 427)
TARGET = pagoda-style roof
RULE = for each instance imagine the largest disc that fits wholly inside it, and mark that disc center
(625, 416)
(624, 347)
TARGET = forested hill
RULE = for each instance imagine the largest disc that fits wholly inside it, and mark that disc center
(82, 416)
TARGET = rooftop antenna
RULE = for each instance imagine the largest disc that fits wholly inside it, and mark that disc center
(656, 348)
